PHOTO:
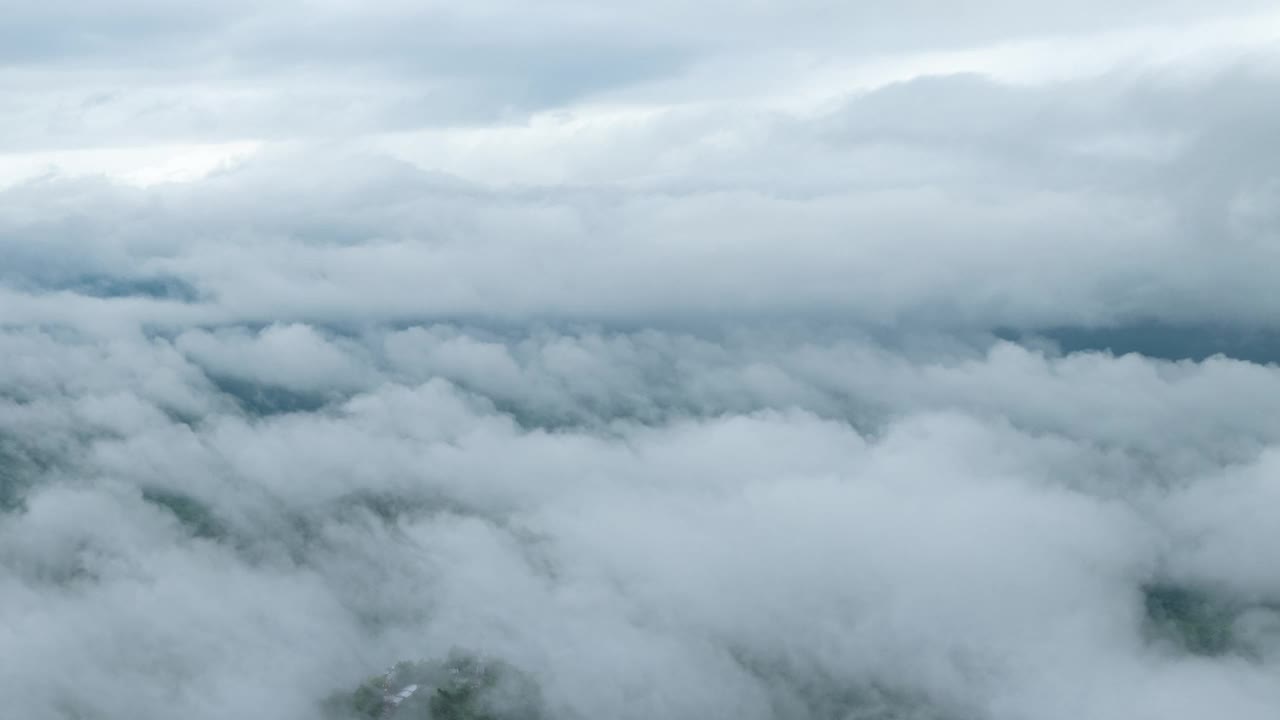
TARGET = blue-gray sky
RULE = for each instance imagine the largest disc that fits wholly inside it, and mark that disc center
(979, 165)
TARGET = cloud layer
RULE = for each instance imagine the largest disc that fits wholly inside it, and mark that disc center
(651, 523)
(771, 370)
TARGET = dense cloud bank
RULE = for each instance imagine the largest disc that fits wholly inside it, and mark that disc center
(235, 522)
(946, 203)
(577, 361)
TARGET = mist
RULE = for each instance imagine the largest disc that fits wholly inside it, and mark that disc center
(818, 365)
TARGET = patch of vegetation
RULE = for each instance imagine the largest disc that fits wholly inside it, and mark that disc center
(162, 287)
(195, 516)
(364, 703)
(12, 486)
(805, 691)
(262, 400)
(389, 507)
(386, 507)
(461, 687)
(1192, 619)
(20, 468)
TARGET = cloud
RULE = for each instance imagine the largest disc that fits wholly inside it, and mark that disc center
(738, 534)
(1064, 205)
(705, 361)
(140, 73)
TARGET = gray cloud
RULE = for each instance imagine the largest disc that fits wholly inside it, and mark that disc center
(948, 202)
(533, 334)
(137, 73)
(976, 547)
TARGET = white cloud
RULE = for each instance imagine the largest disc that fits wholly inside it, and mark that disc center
(654, 351)
(978, 545)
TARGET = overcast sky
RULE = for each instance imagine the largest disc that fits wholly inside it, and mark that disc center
(977, 165)
(763, 360)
